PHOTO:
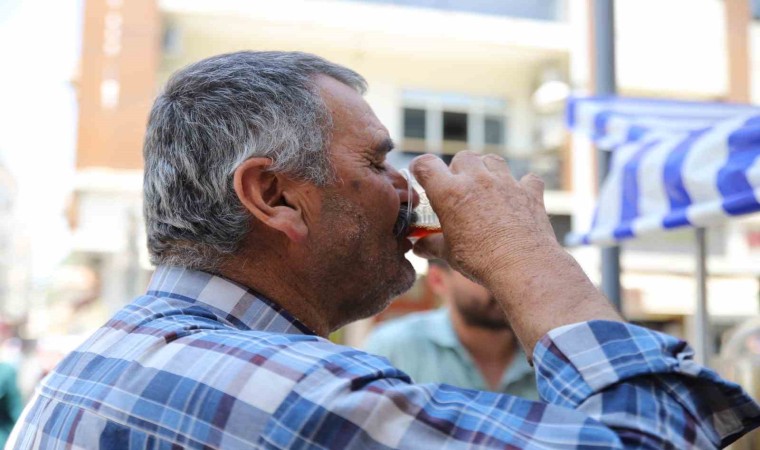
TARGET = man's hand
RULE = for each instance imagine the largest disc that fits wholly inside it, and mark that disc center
(496, 231)
(490, 220)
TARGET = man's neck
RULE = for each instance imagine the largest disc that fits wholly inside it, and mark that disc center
(279, 284)
(491, 350)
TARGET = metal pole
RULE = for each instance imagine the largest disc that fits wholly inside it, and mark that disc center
(604, 51)
(610, 256)
(702, 334)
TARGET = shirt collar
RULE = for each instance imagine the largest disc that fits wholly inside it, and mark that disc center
(518, 369)
(231, 302)
(441, 331)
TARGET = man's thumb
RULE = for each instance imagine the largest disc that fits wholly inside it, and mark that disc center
(430, 172)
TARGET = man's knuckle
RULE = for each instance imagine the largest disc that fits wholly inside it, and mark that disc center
(427, 157)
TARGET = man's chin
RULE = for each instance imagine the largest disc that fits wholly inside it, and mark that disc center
(409, 277)
(401, 282)
(377, 302)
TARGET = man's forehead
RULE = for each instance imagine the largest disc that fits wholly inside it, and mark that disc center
(337, 94)
(352, 115)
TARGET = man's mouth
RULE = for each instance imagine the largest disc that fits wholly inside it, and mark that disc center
(403, 222)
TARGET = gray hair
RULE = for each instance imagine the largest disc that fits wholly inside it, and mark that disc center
(212, 116)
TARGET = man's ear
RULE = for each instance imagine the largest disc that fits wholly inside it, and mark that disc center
(438, 280)
(263, 194)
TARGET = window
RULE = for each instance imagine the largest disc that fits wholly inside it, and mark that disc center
(562, 225)
(414, 123)
(494, 130)
(446, 123)
(414, 129)
(454, 126)
(494, 133)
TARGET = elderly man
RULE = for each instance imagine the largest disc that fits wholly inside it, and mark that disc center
(274, 219)
(467, 343)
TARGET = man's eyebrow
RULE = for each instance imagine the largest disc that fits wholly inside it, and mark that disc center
(384, 147)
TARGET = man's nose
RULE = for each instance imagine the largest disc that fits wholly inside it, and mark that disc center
(402, 186)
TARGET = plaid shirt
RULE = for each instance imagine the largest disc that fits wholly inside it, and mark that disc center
(201, 362)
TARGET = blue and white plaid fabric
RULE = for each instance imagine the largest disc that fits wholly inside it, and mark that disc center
(201, 362)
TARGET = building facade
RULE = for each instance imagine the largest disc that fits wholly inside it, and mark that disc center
(490, 76)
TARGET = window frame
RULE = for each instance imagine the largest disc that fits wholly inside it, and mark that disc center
(435, 104)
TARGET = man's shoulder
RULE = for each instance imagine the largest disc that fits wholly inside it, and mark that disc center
(143, 379)
(174, 342)
(193, 358)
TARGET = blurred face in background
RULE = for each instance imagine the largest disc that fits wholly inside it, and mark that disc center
(471, 301)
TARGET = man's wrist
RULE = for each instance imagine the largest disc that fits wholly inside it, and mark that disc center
(545, 290)
(514, 258)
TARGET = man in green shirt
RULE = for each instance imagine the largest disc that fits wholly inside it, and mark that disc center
(468, 343)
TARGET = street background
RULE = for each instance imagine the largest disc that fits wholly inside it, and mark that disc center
(494, 76)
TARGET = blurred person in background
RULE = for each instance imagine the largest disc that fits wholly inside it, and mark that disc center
(11, 402)
(467, 343)
(274, 219)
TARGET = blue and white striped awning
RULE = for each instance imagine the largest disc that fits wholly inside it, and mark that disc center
(674, 164)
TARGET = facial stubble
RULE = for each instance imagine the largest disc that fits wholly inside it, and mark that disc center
(356, 265)
(489, 317)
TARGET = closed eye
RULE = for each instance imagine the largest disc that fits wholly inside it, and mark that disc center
(378, 167)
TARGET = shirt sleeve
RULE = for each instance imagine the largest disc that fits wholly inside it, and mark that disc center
(642, 384)
(609, 385)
